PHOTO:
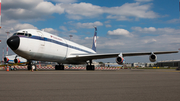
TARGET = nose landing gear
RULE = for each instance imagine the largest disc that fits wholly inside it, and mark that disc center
(90, 66)
(31, 65)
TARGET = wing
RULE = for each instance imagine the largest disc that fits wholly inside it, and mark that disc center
(85, 57)
(148, 53)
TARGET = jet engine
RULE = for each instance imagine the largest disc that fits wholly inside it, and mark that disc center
(119, 60)
(6, 59)
(17, 60)
(152, 57)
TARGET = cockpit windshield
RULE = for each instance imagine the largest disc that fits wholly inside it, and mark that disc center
(24, 34)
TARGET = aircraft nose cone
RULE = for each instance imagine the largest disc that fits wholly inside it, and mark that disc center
(13, 42)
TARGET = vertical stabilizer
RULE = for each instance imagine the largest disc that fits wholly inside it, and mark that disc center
(94, 40)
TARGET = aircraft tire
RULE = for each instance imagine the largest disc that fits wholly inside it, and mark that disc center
(59, 67)
(87, 67)
(34, 67)
(90, 67)
(56, 67)
(29, 67)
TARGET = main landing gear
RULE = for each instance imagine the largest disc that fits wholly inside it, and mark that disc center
(90, 67)
(59, 67)
(31, 65)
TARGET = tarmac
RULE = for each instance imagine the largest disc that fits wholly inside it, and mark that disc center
(76, 85)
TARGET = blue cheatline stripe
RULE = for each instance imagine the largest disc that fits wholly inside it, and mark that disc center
(56, 42)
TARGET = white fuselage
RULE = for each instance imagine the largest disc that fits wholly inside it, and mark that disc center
(43, 46)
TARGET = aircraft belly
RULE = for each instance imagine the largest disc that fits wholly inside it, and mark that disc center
(37, 56)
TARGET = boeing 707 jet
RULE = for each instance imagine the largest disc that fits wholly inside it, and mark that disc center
(38, 45)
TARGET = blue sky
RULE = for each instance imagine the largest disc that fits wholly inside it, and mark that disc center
(123, 25)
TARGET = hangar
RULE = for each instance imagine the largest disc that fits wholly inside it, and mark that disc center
(169, 63)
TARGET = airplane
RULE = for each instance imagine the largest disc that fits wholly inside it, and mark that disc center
(37, 45)
(14, 59)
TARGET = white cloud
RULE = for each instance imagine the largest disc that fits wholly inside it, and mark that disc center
(65, 1)
(174, 21)
(24, 26)
(73, 31)
(29, 9)
(132, 10)
(51, 30)
(119, 31)
(48, 8)
(168, 31)
(75, 17)
(108, 26)
(156, 30)
(25, 4)
(82, 9)
(143, 0)
(107, 21)
(37, 9)
(88, 10)
(145, 30)
(89, 25)
(148, 41)
(118, 18)
(63, 28)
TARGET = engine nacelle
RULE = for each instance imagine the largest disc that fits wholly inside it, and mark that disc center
(152, 57)
(6, 59)
(119, 60)
(17, 60)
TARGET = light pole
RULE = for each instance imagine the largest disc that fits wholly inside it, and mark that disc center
(7, 45)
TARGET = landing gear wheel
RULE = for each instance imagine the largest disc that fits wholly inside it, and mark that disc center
(59, 67)
(34, 67)
(90, 67)
(31, 66)
(56, 67)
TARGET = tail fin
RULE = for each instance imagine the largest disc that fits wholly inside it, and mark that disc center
(94, 39)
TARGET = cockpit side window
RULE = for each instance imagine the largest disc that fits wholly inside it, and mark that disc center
(14, 34)
(20, 33)
(30, 35)
(24, 34)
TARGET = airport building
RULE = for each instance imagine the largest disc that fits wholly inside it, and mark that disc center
(169, 63)
(136, 64)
